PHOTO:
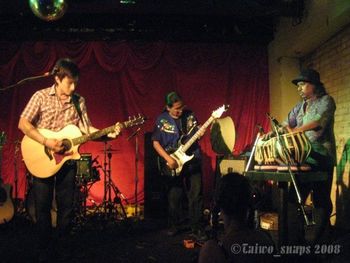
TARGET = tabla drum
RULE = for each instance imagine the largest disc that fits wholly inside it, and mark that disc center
(266, 155)
(297, 148)
(258, 155)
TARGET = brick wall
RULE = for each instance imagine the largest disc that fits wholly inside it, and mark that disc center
(332, 60)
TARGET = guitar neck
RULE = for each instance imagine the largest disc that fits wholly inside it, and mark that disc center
(95, 135)
(189, 143)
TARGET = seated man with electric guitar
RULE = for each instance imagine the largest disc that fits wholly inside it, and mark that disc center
(174, 125)
(47, 113)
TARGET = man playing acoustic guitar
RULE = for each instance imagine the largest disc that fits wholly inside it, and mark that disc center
(54, 108)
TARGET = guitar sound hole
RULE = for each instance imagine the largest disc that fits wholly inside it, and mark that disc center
(66, 145)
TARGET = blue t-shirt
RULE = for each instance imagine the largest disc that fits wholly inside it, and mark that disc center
(169, 131)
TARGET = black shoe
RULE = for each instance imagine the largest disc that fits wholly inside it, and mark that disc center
(199, 235)
(172, 231)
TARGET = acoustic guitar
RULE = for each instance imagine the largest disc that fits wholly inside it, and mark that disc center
(43, 162)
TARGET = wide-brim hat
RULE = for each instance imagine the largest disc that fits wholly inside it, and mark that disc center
(308, 75)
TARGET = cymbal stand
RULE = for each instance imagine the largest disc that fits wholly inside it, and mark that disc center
(109, 205)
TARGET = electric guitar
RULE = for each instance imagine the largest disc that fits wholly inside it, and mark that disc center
(43, 162)
(7, 209)
(180, 155)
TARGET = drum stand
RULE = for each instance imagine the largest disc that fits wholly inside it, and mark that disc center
(81, 194)
(110, 206)
(292, 176)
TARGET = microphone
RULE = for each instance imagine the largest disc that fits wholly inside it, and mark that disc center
(54, 71)
(260, 128)
(273, 120)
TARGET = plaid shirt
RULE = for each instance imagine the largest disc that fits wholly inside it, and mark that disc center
(44, 110)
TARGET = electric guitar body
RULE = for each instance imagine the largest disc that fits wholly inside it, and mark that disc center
(179, 155)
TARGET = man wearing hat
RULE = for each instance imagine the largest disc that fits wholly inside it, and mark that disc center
(314, 116)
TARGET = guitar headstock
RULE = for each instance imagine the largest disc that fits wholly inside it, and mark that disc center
(134, 121)
(219, 111)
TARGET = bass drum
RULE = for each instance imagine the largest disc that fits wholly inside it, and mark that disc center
(30, 208)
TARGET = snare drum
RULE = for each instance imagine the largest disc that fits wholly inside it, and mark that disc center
(297, 148)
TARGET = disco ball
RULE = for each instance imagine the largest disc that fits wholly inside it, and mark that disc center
(48, 10)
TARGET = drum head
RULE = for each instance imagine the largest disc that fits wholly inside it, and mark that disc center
(223, 135)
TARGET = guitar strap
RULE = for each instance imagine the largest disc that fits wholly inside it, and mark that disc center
(75, 100)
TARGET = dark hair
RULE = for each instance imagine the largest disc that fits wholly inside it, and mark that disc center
(171, 98)
(65, 67)
(234, 195)
(320, 90)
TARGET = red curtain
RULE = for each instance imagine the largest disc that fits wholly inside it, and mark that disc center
(122, 79)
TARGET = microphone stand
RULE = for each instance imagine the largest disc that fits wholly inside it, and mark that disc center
(260, 132)
(15, 160)
(275, 127)
(23, 81)
(134, 134)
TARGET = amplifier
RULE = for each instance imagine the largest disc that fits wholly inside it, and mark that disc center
(232, 164)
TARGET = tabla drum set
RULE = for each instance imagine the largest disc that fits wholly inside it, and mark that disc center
(270, 155)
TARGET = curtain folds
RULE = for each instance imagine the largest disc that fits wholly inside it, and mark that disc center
(123, 79)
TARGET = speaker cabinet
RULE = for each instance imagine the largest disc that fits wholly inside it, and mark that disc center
(155, 193)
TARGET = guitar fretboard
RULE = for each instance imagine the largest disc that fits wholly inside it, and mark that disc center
(95, 135)
(188, 144)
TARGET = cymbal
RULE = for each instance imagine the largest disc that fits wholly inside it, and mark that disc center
(103, 139)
